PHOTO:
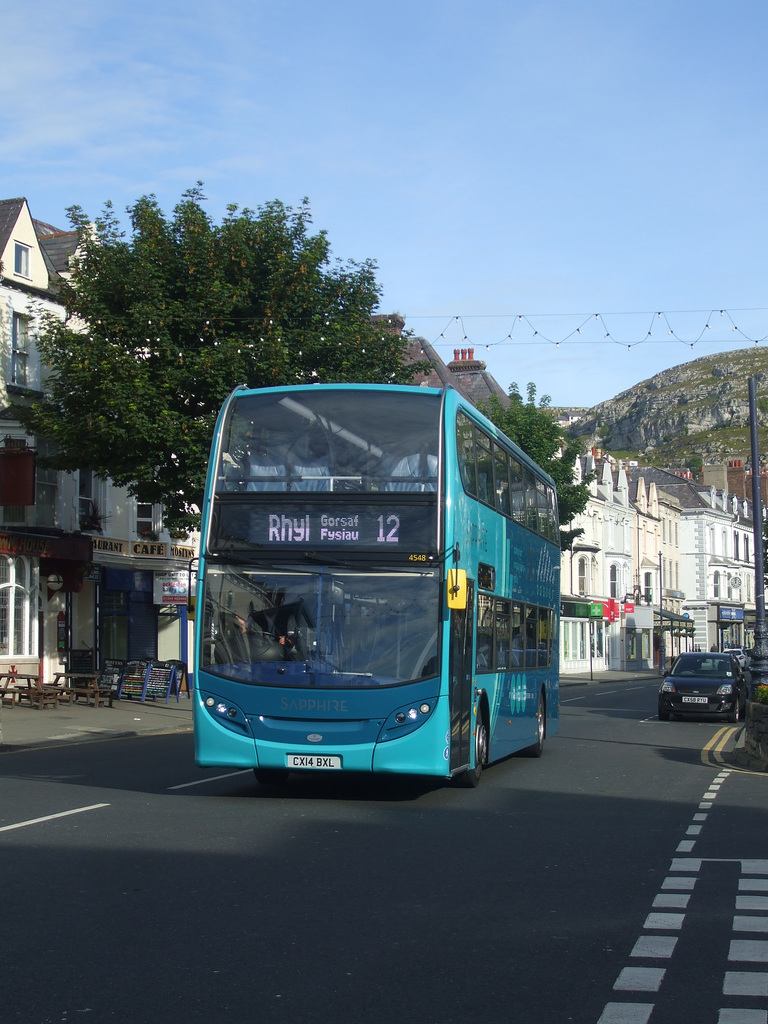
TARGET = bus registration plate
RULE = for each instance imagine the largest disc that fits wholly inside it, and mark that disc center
(312, 761)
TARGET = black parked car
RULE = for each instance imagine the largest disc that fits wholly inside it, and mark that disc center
(703, 684)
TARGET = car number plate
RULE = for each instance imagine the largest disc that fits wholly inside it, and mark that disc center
(695, 700)
(312, 761)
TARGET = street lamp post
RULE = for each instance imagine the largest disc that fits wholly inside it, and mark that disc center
(662, 651)
(759, 663)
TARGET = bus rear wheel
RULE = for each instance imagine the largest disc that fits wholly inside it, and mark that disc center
(471, 777)
(537, 749)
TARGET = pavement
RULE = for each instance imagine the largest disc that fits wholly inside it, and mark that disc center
(22, 726)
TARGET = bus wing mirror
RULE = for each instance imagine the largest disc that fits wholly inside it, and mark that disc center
(192, 588)
(457, 588)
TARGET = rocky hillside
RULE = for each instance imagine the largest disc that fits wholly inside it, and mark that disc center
(698, 408)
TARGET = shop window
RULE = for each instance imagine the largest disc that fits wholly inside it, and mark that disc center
(18, 637)
(631, 645)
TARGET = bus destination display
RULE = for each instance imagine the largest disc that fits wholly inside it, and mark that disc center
(394, 527)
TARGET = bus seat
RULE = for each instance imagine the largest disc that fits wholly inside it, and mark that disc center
(417, 473)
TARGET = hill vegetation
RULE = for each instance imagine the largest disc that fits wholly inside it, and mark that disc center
(695, 410)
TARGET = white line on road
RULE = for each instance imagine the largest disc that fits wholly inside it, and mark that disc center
(210, 778)
(51, 817)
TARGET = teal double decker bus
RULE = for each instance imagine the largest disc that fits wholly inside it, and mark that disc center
(378, 587)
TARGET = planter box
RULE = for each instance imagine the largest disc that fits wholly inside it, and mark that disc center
(756, 733)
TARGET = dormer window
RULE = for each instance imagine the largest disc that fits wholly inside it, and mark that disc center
(21, 260)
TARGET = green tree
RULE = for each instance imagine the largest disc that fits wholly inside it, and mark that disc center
(534, 429)
(161, 324)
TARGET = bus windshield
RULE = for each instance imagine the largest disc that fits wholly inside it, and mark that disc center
(331, 440)
(320, 627)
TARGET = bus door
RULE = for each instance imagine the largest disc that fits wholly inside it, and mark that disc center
(460, 670)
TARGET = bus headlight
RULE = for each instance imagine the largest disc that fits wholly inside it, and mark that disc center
(406, 719)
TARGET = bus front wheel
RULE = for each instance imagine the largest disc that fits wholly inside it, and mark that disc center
(471, 777)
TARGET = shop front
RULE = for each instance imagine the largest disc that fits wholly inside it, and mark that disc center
(582, 636)
(133, 604)
(39, 571)
(730, 626)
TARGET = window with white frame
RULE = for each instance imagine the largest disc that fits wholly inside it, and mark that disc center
(21, 260)
(614, 581)
(716, 584)
(19, 350)
(582, 574)
(18, 588)
(648, 588)
(146, 525)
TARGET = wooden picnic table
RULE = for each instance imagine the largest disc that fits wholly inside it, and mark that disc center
(82, 684)
(28, 686)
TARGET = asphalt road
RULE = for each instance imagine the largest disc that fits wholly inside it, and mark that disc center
(621, 878)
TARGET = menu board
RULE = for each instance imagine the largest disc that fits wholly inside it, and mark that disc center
(143, 680)
(111, 675)
(134, 679)
(161, 681)
(80, 661)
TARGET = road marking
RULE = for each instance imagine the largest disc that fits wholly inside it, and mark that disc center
(211, 778)
(626, 1013)
(659, 947)
(754, 951)
(743, 1017)
(745, 983)
(717, 744)
(51, 817)
(640, 979)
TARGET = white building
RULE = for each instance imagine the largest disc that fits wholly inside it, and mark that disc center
(86, 572)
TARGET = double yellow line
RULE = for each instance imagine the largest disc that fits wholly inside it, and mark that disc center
(717, 745)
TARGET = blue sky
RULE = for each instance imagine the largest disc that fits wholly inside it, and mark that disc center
(514, 168)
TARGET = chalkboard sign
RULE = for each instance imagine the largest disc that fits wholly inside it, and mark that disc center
(134, 679)
(161, 680)
(80, 661)
(111, 675)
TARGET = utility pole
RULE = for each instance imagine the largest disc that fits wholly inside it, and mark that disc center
(759, 665)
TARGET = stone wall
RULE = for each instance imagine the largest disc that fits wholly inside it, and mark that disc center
(756, 733)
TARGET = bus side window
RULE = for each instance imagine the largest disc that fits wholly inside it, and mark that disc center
(485, 491)
(465, 447)
(531, 635)
(501, 480)
(516, 490)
